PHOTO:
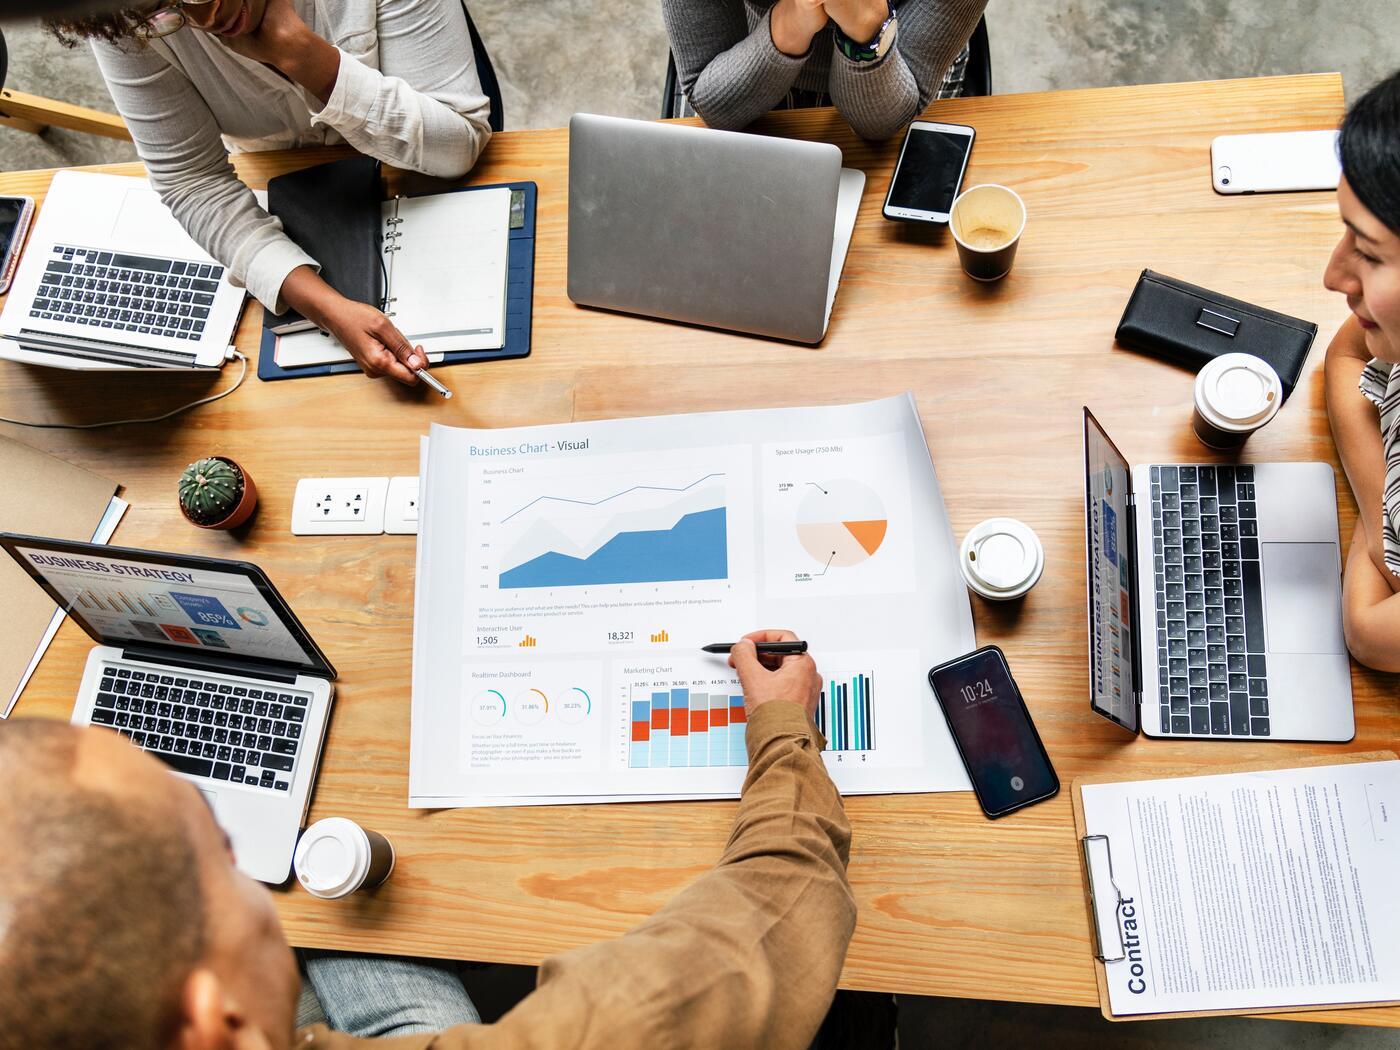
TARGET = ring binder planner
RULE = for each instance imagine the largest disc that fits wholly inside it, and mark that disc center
(438, 276)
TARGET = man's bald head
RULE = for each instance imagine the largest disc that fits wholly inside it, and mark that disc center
(101, 907)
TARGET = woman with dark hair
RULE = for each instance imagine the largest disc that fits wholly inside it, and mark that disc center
(195, 79)
(1363, 382)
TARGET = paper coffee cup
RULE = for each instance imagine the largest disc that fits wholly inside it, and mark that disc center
(987, 222)
(1235, 395)
(1001, 558)
(336, 857)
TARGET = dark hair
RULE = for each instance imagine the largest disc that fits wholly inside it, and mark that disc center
(111, 27)
(1370, 149)
(104, 913)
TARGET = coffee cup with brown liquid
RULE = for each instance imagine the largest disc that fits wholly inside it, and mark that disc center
(987, 222)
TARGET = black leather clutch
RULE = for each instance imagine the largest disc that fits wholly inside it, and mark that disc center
(1189, 325)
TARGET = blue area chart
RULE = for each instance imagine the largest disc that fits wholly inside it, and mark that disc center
(695, 548)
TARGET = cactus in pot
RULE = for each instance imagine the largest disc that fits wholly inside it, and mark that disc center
(216, 493)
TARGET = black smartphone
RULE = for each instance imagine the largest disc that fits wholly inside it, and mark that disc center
(929, 172)
(15, 214)
(993, 732)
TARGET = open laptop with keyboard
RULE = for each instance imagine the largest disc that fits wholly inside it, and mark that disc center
(110, 280)
(1215, 598)
(201, 663)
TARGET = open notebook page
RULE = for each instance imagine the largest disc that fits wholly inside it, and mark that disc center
(448, 279)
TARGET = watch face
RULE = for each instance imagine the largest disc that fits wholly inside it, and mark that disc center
(887, 33)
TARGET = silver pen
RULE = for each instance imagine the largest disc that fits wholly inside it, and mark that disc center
(422, 373)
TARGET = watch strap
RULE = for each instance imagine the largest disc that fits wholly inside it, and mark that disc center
(863, 52)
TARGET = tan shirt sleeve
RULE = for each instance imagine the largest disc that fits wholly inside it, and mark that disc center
(746, 956)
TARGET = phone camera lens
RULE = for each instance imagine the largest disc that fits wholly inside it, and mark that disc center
(1225, 182)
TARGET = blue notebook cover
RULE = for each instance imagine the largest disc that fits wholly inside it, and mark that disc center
(520, 295)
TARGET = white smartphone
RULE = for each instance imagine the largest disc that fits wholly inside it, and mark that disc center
(15, 214)
(1275, 163)
(929, 172)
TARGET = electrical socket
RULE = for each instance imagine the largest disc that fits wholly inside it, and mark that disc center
(401, 507)
(339, 506)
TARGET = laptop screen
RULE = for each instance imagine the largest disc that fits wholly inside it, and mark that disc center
(219, 608)
(1108, 543)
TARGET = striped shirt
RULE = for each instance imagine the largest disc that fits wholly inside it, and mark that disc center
(1380, 383)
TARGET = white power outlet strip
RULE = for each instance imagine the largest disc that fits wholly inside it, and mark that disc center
(339, 506)
(401, 507)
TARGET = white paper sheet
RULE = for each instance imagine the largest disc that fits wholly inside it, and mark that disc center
(108, 525)
(1252, 890)
(447, 278)
(569, 574)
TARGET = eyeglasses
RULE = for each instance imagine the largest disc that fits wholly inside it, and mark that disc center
(167, 18)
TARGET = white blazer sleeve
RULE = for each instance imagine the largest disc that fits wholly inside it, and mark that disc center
(408, 94)
(177, 138)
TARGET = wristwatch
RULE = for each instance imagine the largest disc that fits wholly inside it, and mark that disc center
(876, 49)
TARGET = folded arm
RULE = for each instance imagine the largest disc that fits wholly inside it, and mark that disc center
(423, 108)
(1357, 433)
(732, 76)
(879, 98)
(1370, 609)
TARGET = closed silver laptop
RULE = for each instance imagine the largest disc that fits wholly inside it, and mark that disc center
(716, 228)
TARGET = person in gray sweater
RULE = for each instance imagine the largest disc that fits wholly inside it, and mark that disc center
(879, 62)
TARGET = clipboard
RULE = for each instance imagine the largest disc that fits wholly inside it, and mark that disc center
(520, 297)
(1100, 901)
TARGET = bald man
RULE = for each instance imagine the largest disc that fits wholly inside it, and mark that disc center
(123, 922)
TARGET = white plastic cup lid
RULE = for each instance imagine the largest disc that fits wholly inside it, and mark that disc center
(1002, 558)
(332, 858)
(1238, 392)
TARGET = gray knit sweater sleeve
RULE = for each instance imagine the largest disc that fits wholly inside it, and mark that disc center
(878, 99)
(731, 76)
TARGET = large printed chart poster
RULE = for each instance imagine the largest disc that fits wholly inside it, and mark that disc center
(569, 575)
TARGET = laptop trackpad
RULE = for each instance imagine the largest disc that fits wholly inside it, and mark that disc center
(1302, 598)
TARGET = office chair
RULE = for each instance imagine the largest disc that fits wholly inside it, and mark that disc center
(977, 76)
(489, 84)
(33, 114)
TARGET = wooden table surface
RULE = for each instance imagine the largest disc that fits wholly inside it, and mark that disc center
(1115, 180)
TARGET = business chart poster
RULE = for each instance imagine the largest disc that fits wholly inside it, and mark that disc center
(569, 575)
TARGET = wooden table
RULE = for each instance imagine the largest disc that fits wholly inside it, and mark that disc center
(950, 904)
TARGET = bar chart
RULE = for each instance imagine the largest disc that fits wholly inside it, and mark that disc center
(844, 713)
(683, 727)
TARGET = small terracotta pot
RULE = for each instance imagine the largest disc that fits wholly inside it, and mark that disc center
(247, 503)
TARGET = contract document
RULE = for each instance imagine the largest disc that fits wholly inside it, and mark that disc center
(569, 574)
(1247, 891)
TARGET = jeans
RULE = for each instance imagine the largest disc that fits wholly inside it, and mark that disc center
(369, 996)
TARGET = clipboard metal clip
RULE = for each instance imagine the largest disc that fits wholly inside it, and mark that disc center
(1100, 844)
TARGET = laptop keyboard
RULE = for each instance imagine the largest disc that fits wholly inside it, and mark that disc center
(127, 293)
(1211, 667)
(208, 728)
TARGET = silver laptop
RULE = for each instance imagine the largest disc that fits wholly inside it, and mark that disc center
(201, 663)
(716, 228)
(111, 281)
(1215, 598)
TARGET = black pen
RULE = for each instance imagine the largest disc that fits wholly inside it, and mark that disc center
(764, 648)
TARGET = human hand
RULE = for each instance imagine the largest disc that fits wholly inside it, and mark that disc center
(369, 336)
(766, 679)
(273, 39)
(858, 19)
(793, 23)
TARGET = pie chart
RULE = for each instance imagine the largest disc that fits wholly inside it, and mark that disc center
(842, 522)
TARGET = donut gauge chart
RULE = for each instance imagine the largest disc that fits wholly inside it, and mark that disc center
(529, 707)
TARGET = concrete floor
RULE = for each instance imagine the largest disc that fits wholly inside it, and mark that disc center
(609, 56)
